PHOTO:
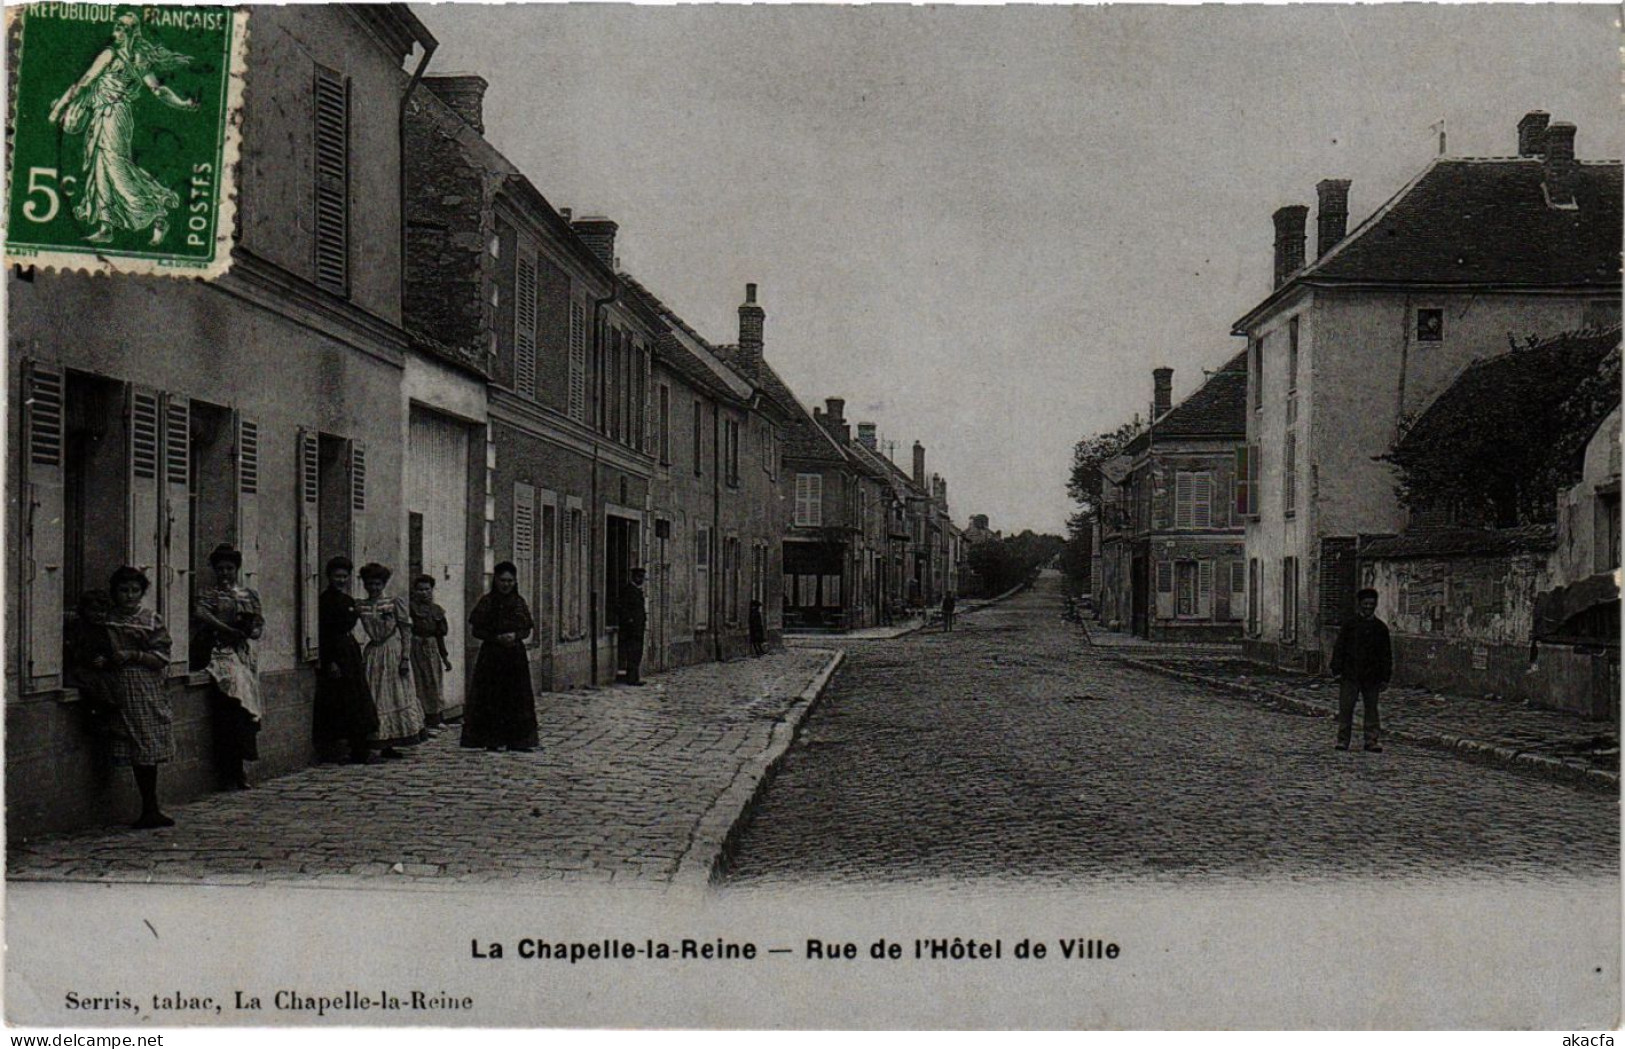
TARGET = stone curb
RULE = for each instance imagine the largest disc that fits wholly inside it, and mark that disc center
(1476, 750)
(716, 834)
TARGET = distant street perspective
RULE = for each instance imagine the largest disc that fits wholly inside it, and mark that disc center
(1008, 748)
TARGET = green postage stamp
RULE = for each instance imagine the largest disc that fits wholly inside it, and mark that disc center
(124, 137)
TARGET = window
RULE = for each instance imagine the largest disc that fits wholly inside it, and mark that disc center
(1292, 354)
(1430, 325)
(1185, 588)
(332, 150)
(1252, 597)
(702, 577)
(1258, 373)
(699, 433)
(809, 500)
(832, 590)
(1289, 475)
(1289, 600)
(1193, 499)
(524, 540)
(1246, 480)
(665, 425)
(572, 559)
(730, 568)
(1238, 587)
(1606, 538)
(730, 431)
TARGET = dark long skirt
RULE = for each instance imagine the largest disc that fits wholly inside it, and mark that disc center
(344, 707)
(500, 710)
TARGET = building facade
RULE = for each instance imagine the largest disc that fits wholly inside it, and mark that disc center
(156, 433)
(1352, 344)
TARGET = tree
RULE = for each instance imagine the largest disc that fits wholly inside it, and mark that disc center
(1084, 486)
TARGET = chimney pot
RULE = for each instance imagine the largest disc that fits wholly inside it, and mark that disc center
(919, 464)
(750, 293)
(1532, 133)
(752, 319)
(1289, 224)
(598, 234)
(464, 94)
(1162, 385)
(1332, 217)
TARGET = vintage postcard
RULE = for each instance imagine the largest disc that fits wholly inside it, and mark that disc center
(123, 137)
(813, 516)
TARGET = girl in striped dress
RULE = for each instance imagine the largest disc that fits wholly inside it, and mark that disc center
(137, 665)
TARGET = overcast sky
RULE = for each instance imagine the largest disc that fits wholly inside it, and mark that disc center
(984, 226)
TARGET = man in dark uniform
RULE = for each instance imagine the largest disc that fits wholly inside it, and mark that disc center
(634, 617)
(1363, 661)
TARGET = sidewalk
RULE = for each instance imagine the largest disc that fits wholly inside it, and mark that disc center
(1504, 732)
(631, 785)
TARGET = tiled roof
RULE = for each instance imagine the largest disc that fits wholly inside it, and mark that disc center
(1482, 221)
(1537, 378)
(1217, 408)
(672, 352)
(1464, 542)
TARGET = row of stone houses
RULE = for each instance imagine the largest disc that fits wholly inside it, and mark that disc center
(1473, 259)
(415, 359)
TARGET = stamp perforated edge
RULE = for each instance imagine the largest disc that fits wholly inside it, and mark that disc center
(91, 262)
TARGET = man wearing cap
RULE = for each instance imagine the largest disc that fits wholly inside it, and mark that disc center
(634, 617)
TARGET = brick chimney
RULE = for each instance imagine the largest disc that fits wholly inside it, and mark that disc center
(866, 436)
(835, 419)
(1289, 224)
(919, 464)
(751, 321)
(1332, 216)
(1560, 166)
(464, 93)
(598, 233)
(1532, 133)
(1162, 391)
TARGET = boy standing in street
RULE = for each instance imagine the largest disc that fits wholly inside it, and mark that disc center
(1363, 661)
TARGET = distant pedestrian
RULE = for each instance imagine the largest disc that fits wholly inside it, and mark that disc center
(229, 616)
(138, 663)
(1363, 660)
(344, 708)
(501, 708)
(388, 659)
(758, 630)
(430, 659)
(948, 604)
(634, 618)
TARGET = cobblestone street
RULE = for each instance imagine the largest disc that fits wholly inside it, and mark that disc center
(624, 789)
(1009, 748)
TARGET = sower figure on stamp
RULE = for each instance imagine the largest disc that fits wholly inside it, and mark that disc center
(1363, 661)
(634, 618)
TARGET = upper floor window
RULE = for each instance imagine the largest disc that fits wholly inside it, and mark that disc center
(809, 500)
(332, 223)
(1193, 499)
(1430, 325)
(1292, 354)
(1258, 373)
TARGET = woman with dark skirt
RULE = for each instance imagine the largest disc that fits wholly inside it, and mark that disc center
(136, 668)
(344, 709)
(501, 709)
(229, 617)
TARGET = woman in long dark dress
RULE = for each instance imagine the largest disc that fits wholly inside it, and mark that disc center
(344, 708)
(230, 619)
(501, 708)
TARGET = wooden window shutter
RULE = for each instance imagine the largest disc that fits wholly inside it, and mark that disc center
(332, 227)
(1184, 493)
(524, 539)
(43, 481)
(358, 505)
(578, 362)
(310, 568)
(1204, 589)
(248, 497)
(174, 600)
(1254, 471)
(1239, 481)
(524, 371)
(1289, 473)
(1201, 500)
(143, 462)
